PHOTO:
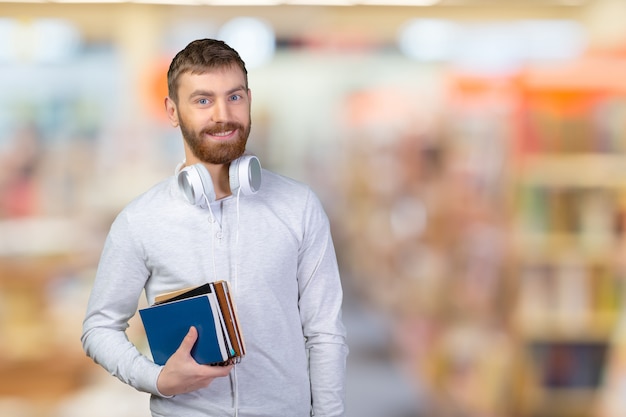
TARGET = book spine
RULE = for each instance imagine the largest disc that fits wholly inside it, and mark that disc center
(218, 325)
(224, 331)
(227, 309)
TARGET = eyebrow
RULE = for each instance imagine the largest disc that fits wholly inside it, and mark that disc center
(212, 93)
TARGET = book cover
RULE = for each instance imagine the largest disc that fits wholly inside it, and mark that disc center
(182, 294)
(228, 318)
(167, 324)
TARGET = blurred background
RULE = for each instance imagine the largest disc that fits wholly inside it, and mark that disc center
(471, 155)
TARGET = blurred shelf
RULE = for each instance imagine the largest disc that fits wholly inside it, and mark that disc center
(569, 205)
(46, 237)
(597, 170)
(40, 355)
(566, 402)
(563, 327)
(46, 379)
(535, 244)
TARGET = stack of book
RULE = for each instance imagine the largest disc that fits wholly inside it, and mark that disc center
(210, 309)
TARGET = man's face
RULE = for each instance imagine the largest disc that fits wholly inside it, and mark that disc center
(213, 113)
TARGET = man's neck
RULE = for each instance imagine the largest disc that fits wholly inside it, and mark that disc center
(221, 182)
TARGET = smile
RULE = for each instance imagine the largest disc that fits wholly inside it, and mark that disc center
(223, 135)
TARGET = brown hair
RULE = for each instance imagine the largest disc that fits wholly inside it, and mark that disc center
(199, 57)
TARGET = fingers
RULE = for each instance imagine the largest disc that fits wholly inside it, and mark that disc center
(182, 373)
(219, 371)
(181, 377)
(190, 339)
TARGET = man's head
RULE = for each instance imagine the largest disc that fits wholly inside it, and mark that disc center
(200, 56)
(209, 99)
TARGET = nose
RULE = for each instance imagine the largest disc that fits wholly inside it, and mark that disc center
(220, 111)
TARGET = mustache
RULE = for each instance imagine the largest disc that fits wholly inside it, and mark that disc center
(221, 128)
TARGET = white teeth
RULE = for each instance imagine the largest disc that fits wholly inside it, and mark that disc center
(223, 133)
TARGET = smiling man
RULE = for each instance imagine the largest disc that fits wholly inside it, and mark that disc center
(222, 217)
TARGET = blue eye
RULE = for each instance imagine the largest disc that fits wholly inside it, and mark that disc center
(203, 101)
(235, 97)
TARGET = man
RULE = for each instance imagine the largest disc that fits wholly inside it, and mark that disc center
(274, 247)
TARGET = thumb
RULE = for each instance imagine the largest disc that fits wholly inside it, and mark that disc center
(190, 339)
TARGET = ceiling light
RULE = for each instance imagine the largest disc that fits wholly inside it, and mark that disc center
(89, 1)
(253, 38)
(172, 2)
(429, 40)
(421, 3)
(9, 39)
(243, 2)
(53, 40)
(321, 2)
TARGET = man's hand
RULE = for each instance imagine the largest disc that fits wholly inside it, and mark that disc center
(182, 373)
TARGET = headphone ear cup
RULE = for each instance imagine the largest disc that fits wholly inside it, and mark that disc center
(245, 173)
(196, 184)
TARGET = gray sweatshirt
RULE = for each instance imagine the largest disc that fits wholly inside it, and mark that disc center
(275, 249)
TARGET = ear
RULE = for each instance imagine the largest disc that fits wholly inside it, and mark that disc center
(172, 113)
(249, 92)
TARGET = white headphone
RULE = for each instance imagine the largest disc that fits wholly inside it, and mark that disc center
(244, 176)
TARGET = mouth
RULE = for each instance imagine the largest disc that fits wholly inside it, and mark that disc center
(222, 135)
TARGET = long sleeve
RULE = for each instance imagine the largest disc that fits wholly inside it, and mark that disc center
(119, 283)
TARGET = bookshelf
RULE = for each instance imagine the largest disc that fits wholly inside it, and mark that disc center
(44, 285)
(569, 206)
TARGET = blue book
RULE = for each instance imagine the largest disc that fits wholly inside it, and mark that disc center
(167, 324)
